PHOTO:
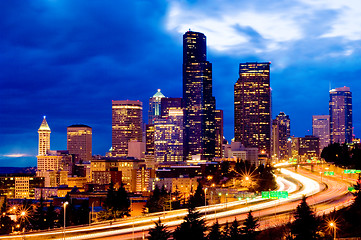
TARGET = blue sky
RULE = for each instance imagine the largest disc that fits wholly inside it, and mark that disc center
(68, 59)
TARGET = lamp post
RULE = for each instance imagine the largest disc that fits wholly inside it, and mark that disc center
(22, 215)
(205, 202)
(333, 225)
(66, 203)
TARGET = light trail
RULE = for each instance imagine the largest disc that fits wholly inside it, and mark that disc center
(174, 218)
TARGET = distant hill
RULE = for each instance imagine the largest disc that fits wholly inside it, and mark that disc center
(17, 170)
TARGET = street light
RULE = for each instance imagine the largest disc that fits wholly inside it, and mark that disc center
(22, 216)
(333, 225)
(66, 203)
(205, 202)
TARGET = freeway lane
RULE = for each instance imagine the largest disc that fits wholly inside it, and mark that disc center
(270, 213)
(237, 209)
(148, 221)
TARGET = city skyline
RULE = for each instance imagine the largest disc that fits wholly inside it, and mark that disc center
(70, 72)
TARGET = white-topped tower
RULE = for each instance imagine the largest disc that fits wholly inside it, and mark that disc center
(44, 138)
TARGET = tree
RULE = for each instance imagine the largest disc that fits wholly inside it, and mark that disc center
(159, 232)
(249, 227)
(225, 231)
(155, 202)
(192, 228)
(51, 216)
(197, 199)
(234, 231)
(306, 225)
(266, 178)
(6, 223)
(122, 202)
(225, 168)
(39, 215)
(215, 232)
(117, 203)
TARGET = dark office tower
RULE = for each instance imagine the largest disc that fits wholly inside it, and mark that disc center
(321, 129)
(252, 106)
(219, 133)
(199, 104)
(154, 106)
(170, 103)
(126, 125)
(281, 131)
(79, 141)
(340, 107)
(149, 139)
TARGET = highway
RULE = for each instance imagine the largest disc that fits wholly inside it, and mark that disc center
(325, 197)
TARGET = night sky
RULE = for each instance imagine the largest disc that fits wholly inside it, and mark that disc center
(68, 59)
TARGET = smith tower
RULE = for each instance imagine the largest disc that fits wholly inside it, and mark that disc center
(252, 106)
(44, 138)
(199, 104)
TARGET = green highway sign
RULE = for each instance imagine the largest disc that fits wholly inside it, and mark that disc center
(265, 194)
(329, 173)
(348, 171)
(351, 189)
(282, 194)
(274, 194)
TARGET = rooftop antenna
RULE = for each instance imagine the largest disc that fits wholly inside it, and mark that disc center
(329, 85)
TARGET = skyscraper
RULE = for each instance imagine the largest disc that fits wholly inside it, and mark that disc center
(199, 104)
(340, 107)
(281, 131)
(321, 129)
(79, 141)
(219, 133)
(44, 138)
(252, 106)
(155, 106)
(168, 137)
(126, 125)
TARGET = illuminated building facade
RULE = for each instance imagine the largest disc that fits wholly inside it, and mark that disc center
(321, 129)
(44, 138)
(20, 187)
(126, 125)
(340, 108)
(143, 175)
(309, 146)
(149, 139)
(281, 132)
(170, 103)
(199, 104)
(128, 168)
(155, 106)
(168, 137)
(219, 133)
(252, 106)
(79, 141)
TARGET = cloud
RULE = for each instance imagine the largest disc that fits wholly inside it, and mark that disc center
(16, 155)
(239, 28)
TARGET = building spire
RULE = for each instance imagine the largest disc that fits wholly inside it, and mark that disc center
(44, 125)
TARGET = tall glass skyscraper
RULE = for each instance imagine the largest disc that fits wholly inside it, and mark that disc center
(126, 125)
(155, 106)
(321, 129)
(340, 107)
(199, 103)
(252, 106)
(281, 132)
(79, 141)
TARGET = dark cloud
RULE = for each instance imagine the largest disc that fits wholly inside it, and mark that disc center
(69, 59)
